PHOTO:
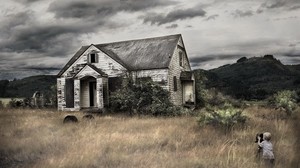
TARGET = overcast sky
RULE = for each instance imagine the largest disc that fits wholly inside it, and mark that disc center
(40, 36)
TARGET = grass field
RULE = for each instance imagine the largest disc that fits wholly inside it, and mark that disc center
(38, 138)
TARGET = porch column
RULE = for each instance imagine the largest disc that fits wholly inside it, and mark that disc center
(76, 94)
(61, 103)
(99, 93)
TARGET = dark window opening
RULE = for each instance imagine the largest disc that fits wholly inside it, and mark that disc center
(92, 88)
(180, 58)
(175, 83)
(93, 58)
(69, 93)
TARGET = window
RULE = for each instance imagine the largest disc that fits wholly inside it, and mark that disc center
(175, 83)
(93, 58)
(180, 58)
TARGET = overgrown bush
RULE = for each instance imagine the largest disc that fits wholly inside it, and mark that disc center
(286, 100)
(146, 98)
(225, 117)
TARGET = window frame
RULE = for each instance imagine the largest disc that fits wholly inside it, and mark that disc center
(94, 56)
(175, 87)
(180, 58)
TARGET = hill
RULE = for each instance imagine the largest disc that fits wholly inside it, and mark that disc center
(27, 86)
(253, 78)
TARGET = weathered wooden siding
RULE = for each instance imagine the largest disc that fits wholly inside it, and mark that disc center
(99, 93)
(105, 63)
(174, 71)
(61, 99)
(77, 94)
(61, 104)
(159, 76)
(87, 71)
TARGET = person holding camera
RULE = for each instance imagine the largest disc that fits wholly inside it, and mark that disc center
(267, 149)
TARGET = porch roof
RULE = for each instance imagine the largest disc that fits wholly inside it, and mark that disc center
(94, 68)
(186, 75)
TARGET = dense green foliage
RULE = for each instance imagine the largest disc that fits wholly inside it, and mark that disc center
(146, 98)
(287, 100)
(225, 117)
(253, 78)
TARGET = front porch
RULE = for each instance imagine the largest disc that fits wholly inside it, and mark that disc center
(87, 89)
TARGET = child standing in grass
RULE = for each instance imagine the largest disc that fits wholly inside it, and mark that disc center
(267, 147)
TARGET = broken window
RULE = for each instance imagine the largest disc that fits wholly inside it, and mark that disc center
(180, 58)
(93, 58)
(175, 83)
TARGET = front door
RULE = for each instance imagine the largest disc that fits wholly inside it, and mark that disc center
(92, 93)
(188, 93)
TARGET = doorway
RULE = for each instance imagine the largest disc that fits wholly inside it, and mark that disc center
(92, 93)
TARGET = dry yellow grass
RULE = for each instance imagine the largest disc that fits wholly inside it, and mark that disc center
(38, 138)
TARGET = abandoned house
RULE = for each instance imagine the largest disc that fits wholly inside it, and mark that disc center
(95, 71)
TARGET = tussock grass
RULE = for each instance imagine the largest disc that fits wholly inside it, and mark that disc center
(38, 138)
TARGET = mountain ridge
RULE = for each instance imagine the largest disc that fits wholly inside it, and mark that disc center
(252, 78)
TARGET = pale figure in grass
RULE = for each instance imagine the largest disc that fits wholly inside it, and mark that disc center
(267, 149)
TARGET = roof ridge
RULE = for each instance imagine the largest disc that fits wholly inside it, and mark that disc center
(149, 38)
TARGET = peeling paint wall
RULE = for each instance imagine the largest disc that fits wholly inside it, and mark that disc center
(105, 63)
(174, 71)
(61, 103)
(87, 71)
(99, 93)
(77, 94)
(159, 76)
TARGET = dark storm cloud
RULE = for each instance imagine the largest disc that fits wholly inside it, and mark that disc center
(11, 21)
(181, 14)
(279, 4)
(274, 4)
(99, 9)
(50, 39)
(238, 13)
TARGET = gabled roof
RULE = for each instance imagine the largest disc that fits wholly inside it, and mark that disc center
(141, 54)
(99, 71)
(73, 59)
(150, 53)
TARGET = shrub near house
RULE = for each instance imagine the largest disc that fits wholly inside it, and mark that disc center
(146, 98)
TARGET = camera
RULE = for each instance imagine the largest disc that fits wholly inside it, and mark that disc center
(261, 135)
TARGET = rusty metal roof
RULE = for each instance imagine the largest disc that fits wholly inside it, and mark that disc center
(141, 54)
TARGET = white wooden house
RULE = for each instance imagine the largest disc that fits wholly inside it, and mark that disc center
(95, 70)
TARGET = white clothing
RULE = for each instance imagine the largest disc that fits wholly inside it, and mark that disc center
(267, 148)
